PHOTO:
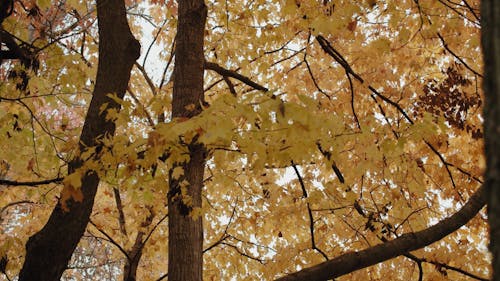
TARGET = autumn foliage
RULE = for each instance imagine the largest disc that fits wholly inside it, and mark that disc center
(324, 128)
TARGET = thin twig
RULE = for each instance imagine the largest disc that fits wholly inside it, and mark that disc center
(309, 212)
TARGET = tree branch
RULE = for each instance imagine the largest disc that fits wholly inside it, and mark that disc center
(229, 73)
(30, 183)
(330, 50)
(309, 212)
(353, 261)
(447, 48)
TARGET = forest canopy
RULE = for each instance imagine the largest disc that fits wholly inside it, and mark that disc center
(246, 140)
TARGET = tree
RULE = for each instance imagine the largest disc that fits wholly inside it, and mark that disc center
(491, 45)
(117, 52)
(185, 231)
(314, 139)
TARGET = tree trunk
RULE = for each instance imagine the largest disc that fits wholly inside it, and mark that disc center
(135, 253)
(490, 29)
(49, 250)
(185, 245)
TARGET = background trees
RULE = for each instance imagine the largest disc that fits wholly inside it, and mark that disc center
(325, 127)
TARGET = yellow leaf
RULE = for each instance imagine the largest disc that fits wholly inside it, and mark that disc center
(44, 4)
(72, 189)
(177, 172)
(73, 180)
(381, 45)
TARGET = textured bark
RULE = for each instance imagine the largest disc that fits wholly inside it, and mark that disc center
(135, 253)
(490, 29)
(185, 261)
(49, 250)
(353, 261)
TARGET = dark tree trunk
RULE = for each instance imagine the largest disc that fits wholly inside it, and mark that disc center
(135, 253)
(131, 265)
(490, 31)
(49, 250)
(185, 260)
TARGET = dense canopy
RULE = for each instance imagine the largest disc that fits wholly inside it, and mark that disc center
(324, 127)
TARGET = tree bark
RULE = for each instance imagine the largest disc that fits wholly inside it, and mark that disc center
(185, 245)
(49, 250)
(353, 261)
(135, 253)
(490, 31)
